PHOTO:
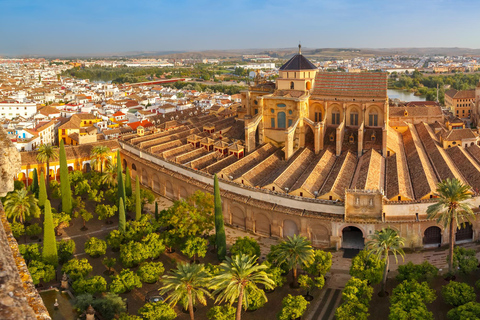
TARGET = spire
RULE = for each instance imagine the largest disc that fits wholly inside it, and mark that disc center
(299, 48)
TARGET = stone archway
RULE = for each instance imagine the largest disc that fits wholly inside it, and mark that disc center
(352, 238)
(432, 236)
(168, 189)
(156, 184)
(290, 228)
(465, 232)
(319, 235)
(238, 218)
(262, 224)
(183, 193)
(87, 167)
(145, 177)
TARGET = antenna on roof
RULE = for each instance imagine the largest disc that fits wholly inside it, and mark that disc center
(299, 47)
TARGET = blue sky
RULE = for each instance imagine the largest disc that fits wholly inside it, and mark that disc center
(65, 27)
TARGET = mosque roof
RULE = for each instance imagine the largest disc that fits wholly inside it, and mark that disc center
(298, 62)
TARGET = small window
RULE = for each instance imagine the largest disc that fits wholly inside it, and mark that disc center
(292, 85)
(272, 122)
(281, 105)
(290, 122)
(290, 111)
(272, 110)
(301, 194)
(256, 102)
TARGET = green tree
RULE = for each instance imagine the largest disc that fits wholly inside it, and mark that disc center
(308, 283)
(295, 251)
(42, 192)
(65, 188)
(30, 252)
(451, 209)
(150, 272)
(95, 247)
(49, 251)
(109, 306)
(33, 230)
(220, 239)
(34, 186)
(225, 312)
(190, 217)
(195, 247)
(383, 243)
(275, 273)
(464, 260)
(86, 216)
(322, 262)
(77, 268)
(138, 204)
(293, 307)
(128, 183)
(105, 211)
(115, 239)
(65, 249)
(41, 271)
(153, 245)
(458, 293)
(356, 298)
(21, 206)
(132, 254)
(418, 272)
(187, 284)
(156, 210)
(121, 216)
(109, 263)
(121, 194)
(245, 245)
(91, 285)
(470, 310)
(157, 311)
(18, 229)
(125, 281)
(99, 155)
(235, 275)
(408, 301)
(47, 152)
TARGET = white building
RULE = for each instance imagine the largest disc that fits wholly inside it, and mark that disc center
(14, 110)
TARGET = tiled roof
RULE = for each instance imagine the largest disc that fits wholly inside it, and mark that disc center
(340, 84)
(462, 94)
(298, 62)
(458, 134)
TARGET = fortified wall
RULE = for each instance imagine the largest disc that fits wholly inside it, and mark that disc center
(18, 297)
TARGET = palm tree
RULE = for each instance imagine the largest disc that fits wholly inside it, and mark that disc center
(47, 152)
(187, 283)
(100, 154)
(235, 276)
(21, 205)
(109, 176)
(382, 243)
(451, 209)
(294, 251)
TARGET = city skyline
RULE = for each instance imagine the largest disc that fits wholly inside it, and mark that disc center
(58, 28)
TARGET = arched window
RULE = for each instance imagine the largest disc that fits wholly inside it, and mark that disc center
(292, 85)
(281, 120)
(373, 118)
(335, 116)
(354, 118)
(281, 105)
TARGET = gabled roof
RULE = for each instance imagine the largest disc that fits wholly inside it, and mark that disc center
(458, 134)
(364, 84)
(298, 62)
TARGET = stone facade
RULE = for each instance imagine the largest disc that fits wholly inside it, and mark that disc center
(10, 163)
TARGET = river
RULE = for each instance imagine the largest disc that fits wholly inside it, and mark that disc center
(404, 95)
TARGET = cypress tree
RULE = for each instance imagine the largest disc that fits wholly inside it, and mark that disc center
(156, 210)
(42, 192)
(128, 183)
(49, 252)
(221, 239)
(120, 184)
(64, 182)
(138, 204)
(35, 183)
(121, 216)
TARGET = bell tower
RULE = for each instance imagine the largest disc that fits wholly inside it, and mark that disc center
(298, 73)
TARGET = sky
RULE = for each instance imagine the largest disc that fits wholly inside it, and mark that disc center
(65, 27)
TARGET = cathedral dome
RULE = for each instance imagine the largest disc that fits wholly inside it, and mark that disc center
(298, 62)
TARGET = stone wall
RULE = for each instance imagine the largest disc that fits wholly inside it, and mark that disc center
(18, 297)
(10, 163)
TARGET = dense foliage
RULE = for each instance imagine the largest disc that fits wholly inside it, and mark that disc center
(367, 266)
(150, 272)
(92, 285)
(95, 247)
(470, 310)
(245, 245)
(125, 281)
(458, 293)
(41, 271)
(419, 272)
(77, 268)
(293, 307)
(157, 311)
(464, 260)
(409, 301)
(66, 249)
(225, 312)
